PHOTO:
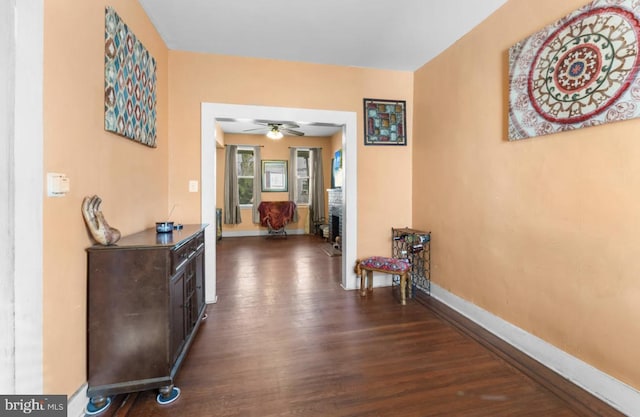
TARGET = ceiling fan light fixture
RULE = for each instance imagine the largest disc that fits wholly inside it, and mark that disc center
(275, 133)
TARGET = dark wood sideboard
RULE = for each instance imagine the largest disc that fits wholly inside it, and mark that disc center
(145, 304)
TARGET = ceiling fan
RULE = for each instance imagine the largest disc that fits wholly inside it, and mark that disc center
(276, 130)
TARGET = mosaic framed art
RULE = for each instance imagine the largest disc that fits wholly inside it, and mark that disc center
(129, 83)
(385, 122)
(578, 72)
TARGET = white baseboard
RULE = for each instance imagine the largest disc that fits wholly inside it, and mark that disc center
(603, 386)
(247, 233)
(77, 402)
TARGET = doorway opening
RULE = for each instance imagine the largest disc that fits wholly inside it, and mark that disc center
(212, 111)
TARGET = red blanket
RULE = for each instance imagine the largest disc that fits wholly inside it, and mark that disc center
(276, 214)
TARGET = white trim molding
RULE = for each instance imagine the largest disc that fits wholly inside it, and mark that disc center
(28, 153)
(7, 118)
(77, 402)
(603, 386)
(21, 128)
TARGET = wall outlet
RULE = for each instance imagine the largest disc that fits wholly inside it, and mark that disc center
(193, 186)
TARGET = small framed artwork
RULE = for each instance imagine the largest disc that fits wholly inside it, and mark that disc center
(274, 176)
(385, 122)
(336, 174)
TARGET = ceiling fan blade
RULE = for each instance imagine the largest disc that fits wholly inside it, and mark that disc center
(267, 123)
(291, 131)
(253, 130)
(272, 123)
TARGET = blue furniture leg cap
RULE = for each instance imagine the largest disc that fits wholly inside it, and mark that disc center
(168, 399)
(91, 409)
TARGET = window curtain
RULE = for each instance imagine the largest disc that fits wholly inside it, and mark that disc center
(231, 199)
(317, 188)
(257, 180)
(291, 179)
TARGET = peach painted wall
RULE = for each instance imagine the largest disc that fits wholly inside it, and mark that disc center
(542, 232)
(219, 137)
(197, 78)
(131, 178)
(336, 142)
(272, 150)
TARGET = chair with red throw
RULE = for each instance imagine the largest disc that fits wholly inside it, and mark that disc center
(275, 215)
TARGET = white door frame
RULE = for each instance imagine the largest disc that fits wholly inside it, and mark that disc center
(211, 111)
(21, 193)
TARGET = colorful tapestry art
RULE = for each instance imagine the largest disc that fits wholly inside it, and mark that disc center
(385, 122)
(580, 71)
(129, 83)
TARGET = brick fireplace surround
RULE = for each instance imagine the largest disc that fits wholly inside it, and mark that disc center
(335, 213)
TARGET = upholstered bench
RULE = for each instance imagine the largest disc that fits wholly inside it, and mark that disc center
(394, 266)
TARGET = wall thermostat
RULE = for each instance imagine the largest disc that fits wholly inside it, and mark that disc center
(57, 185)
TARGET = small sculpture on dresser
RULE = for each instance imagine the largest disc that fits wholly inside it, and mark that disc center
(98, 226)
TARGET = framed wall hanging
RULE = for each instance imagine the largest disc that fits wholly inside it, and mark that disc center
(578, 72)
(274, 176)
(385, 122)
(129, 83)
(336, 170)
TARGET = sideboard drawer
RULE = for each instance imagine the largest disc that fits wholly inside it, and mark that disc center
(181, 254)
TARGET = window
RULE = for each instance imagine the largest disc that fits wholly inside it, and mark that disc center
(246, 162)
(303, 177)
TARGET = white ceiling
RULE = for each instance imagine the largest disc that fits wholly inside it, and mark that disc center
(390, 34)
(256, 127)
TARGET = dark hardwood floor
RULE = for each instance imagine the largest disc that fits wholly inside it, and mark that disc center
(285, 339)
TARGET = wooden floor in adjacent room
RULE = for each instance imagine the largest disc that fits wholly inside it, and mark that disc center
(284, 339)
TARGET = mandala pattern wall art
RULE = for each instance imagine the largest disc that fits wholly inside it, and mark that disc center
(129, 83)
(580, 71)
